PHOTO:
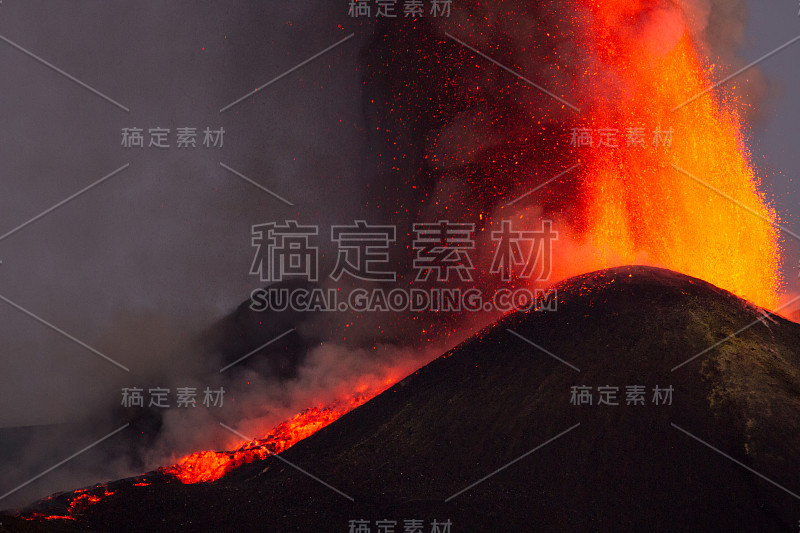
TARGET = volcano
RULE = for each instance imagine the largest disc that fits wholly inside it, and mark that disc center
(494, 435)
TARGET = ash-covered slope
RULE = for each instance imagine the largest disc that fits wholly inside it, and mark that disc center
(497, 398)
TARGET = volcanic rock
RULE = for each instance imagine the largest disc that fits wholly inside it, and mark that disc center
(496, 416)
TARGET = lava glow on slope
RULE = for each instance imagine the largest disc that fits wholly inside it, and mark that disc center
(82, 499)
(658, 205)
(210, 465)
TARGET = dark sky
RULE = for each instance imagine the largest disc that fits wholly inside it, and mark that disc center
(775, 136)
(151, 257)
(168, 239)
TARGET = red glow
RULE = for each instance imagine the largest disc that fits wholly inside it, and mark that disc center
(210, 465)
(81, 501)
(641, 209)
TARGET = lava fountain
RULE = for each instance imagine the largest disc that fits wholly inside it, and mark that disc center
(693, 207)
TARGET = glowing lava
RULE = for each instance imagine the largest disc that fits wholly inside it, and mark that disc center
(210, 465)
(694, 206)
(82, 499)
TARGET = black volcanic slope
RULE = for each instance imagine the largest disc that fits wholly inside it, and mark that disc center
(496, 398)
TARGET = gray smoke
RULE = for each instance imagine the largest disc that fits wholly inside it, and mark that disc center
(142, 265)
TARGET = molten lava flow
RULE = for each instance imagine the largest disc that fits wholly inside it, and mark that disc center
(209, 466)
(81, 500)
(42, 516)
(639, 208)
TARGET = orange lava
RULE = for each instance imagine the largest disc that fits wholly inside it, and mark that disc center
(41, 516)
(80, 502)
(210, 465)
(639, 207)
(84, 500)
